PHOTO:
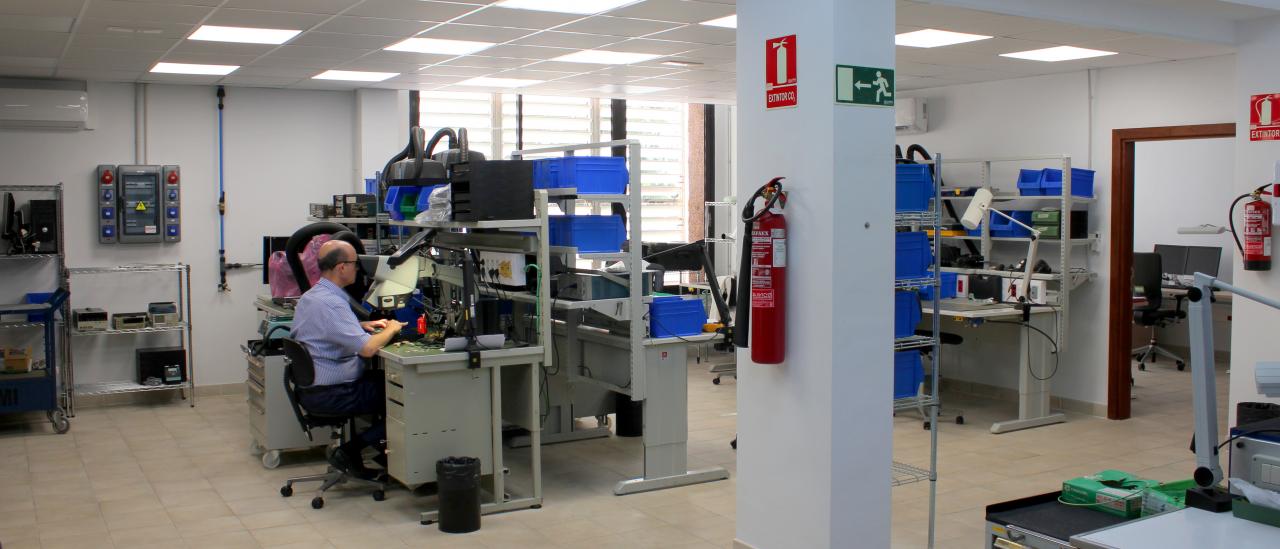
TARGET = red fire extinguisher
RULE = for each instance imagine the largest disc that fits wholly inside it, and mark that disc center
(764, 269)
(1256, 249)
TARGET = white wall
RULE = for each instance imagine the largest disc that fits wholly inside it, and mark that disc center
(1254, 326)
(283, 149)
(1051, 115)
(1179, 184)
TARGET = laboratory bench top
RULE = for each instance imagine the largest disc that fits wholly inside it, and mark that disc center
(1185, 528)
(413, 354)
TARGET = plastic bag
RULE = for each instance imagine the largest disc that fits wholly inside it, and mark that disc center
(439, 206)
(283, 283)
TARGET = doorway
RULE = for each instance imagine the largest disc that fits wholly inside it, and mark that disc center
(1123, 170)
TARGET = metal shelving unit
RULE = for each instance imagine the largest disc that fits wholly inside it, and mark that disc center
(926, 403)
(45, 387)
(184, 329)
(377, 221)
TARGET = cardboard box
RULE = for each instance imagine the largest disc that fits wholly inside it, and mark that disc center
(17, 361)
(1110, 491)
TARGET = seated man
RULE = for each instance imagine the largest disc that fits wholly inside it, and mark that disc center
(339, 344)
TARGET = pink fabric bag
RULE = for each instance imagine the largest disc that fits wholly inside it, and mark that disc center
(283, 284)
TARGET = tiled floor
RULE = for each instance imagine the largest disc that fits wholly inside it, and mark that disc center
(172, 476)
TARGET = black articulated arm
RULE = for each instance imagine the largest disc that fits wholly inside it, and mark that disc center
(293, 255)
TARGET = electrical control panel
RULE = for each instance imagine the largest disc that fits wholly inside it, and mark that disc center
(139, 204)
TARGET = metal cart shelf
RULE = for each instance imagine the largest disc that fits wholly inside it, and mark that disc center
(184, 329)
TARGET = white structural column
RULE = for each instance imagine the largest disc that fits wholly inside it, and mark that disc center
(815, 432)
(1253, 324)
(382, 129)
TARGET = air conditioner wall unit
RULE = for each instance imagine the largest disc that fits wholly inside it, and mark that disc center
(910, 116)
(43, 104)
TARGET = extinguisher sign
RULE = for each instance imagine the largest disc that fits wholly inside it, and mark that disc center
(780, 72)
(1264, 117)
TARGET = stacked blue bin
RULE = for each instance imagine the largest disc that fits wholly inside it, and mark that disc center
(908, 373)
(674, 316)
(587, 174)
(588, 233)
(913, 186)
(1002, 227)
(1048, 182)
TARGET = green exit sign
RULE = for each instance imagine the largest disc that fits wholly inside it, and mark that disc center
(864, 86)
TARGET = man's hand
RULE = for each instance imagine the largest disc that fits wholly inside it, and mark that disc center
(373, 326)
(393, 325)
(389, 330)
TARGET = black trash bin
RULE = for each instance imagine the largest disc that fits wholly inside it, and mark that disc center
(458, 479)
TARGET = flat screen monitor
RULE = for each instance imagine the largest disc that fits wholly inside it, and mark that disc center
(1203, 259)
(1173, 258)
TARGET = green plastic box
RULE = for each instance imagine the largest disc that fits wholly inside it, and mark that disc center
(1110, 491)
(1168, 496)
(1046, 217)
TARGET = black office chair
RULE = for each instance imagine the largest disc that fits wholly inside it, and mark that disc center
(944, 338)
(1147, 271)
(299, 371)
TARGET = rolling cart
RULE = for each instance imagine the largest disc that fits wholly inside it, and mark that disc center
(36, 390)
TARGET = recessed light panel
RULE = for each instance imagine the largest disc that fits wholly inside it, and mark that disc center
(244, 35)
(728, 22)
(582, 7)
(356, 76)
(499, 82)
(932, 38)
(630, 90)
(1060, 53)
(192, 68)
(436, 45)
(603, 57)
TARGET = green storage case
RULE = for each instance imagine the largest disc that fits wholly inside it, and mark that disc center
(1110, 491)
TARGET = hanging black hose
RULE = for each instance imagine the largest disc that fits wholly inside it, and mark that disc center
(222, 204)
(771, 192)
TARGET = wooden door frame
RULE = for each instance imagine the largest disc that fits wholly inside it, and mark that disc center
(1123, 147)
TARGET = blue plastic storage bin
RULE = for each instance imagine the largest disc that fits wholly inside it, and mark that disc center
(672, 316)
(424, 198)
(588, 233)
(1003, 227)
(588, 174)
(912, 256)
(906, 313)
(391, 202)
(908, 374)
(914, 188)
(948, 288)
(1081, 182)
(1029, 182)
(37, 297)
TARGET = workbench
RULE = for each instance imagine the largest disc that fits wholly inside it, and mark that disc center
(1188, 528)
(1033, 393)
(439, 407)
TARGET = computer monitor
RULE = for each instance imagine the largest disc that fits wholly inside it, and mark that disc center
(1203, 259)
(675, 256)
(1173, 258)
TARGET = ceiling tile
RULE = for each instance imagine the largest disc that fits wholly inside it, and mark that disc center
(317, 52)
(660, 47)
(210, 58)
(452, 70)
(154, 30)
(567, 40)
(237, 79)
(207, 3)
(28, 62)
(1069, 35)
(706, 76)
(271, 61)
(140, 12)
(264, 19)
(327, 7)
(98, 75)
(44, 8)
(411, 9)
(618, 26)
(340, 40)
(203, 47)
(524, 52)
(26, 72)
(997, 46)
(189, 79)
(406, 58)
(276, 72)
(562, 66)
(637, 71)
(964, 20)
(476, 33)
(364, 64)
(524, 19)
(701, 34)
(536, 75)
(33, 44)
(1164, 48)
(109, 59)
(921, 69)
(375, 26)
(36, 23)
(490, 62)
(683, 11)
(122, 41)
(427, 79)
(313, 84)
(714, 53)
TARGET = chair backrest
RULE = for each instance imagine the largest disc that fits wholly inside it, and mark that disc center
(1146, 279)
(299, 371)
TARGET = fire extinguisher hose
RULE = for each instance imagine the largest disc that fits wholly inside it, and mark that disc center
(772, 193)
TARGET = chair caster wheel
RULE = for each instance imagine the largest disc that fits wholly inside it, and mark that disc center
(1142, 366)
(715, 381)
(286, 491)
(926, 425)
(733, 444)
(959, 420)
(379, 495)
(317, 502)
(1182, 365)
(538, 506)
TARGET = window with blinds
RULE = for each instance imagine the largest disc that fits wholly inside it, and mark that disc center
(661, 129)
(473, 111)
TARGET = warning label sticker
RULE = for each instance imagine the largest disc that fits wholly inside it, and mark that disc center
(761, 298)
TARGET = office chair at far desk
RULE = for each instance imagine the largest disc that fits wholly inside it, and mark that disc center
(1147, 271)
(299, 371)
(944, 338)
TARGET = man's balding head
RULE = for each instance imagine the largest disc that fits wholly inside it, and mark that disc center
(334, 253)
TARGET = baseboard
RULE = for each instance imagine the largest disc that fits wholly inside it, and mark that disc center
(156, 397)
(1005, 394)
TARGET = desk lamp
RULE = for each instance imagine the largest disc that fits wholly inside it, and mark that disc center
(977, 212)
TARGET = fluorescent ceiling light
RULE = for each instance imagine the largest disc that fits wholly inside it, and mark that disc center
(1060, 53)
(680, 63)
(581, 7)
(358, 76)
(728, 22)
(244, 35)
(499, 82)
(436, 45)
(603, 57)
(192, 68)
(932, 38)
(633, 90)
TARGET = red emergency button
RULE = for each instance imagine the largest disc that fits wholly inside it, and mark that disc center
(107, 178)
(173, 178)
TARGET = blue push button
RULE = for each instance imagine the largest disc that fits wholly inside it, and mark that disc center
(108, 231)
(173, 195)
(172, 230)
(173, 213)
(106, 196)
(108, 213)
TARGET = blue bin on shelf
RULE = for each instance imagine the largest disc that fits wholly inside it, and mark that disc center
(1029, 182)
(395, 195)
(588, 233)
(1003, 227)
(948, 288)
(671, 316)
(906, 313)
(908, 374)
(588, 174)
(912, 255)
(914, 188)
(37, 297)
(424, 198)
(1081, 182)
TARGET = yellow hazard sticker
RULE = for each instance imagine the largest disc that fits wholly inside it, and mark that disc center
(141, 207)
